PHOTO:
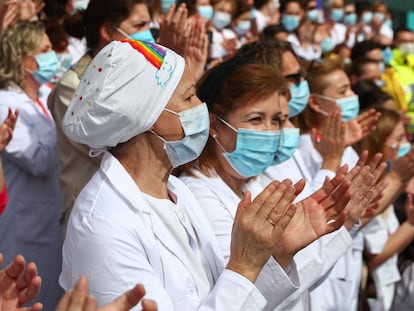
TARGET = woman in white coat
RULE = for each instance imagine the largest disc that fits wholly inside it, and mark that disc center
(314, 261)
(133, 222)
(30, 224)
(246, 138)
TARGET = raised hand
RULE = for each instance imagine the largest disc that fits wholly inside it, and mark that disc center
(197, 48)
(360, 127)
(18, 287)
(8, 14)
(329, 142)
(175, 29)
(6, 129)
(316, 215)
(258, 227)
(78, 299)
(365, 189)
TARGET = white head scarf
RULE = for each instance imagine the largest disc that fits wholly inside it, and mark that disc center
(122, 93)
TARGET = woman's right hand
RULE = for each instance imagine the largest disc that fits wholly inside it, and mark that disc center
(259, 225)
(329, 142)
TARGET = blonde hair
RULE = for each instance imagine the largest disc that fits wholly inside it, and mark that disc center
(317, 75)
(16, 43)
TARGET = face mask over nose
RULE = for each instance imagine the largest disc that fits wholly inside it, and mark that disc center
(221, 20)
(48, 64)
(255, 150)
(144, 35)
(349, 106)
(299, 98)
(196, 125)
(290, 22)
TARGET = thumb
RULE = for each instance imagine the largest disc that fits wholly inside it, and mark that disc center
(126, 301)
(246, 200)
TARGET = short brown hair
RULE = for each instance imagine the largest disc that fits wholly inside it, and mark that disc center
(228, 86)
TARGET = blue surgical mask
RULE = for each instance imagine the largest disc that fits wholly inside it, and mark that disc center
(242, 27)
(80, 5)
(350, 19)
(144, 35)
(379, 83)
(379, 16)
(367, 17)
(206, 11)
(312, 15)
(327, 45)
(165, 5)
(382, 67)
(221, 20)
(289, 142)
(349, 106)
(196, 125)
(290, 22)
(255, 150)
(337, 14)
(388, 23)
(403, 150)
(48, 64)
(299, 98)
(387, 55)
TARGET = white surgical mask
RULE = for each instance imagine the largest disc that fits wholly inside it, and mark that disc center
(196, 125)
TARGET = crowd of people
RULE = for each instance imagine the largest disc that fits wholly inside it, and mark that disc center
(205, 155)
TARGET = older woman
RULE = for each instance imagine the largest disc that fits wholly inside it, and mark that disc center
(30, 224)
(133, 221)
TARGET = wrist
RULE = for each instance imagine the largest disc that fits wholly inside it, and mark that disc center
(250, 272)
(331, 164)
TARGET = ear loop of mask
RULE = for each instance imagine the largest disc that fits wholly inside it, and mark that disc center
(160, 137)
(215, 136)
(320, 110)
(121, 32)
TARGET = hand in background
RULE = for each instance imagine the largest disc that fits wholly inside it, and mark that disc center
(18, 287)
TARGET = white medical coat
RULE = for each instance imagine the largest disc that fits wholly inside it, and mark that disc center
(219, 203)
(117, 240)
(30, 223)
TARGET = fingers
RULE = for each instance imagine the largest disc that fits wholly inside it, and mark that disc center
(126, 301)
(149, 305)
(32, 290)
(14, 269)
(24, 279)
(362, 158)
(299, 186)
(335, 203)
(75, 299)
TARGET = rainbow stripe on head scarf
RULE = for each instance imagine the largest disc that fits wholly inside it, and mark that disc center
(153, 53)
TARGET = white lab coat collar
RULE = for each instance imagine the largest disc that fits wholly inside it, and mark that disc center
(123, 183)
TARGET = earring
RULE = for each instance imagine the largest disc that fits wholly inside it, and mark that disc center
(214, 136)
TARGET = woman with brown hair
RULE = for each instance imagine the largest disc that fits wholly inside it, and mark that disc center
(245, 138)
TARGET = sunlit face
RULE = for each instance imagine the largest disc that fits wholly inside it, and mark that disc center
(397, 137)
(202, 2)
(375, 54)
(349, 8)
(138, 20)
(337, 4)
(260, 114)
(184, 97)
(293, 8)
(337, 86)
(223, 6)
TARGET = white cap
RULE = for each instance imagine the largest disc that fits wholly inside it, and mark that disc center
(122, 93)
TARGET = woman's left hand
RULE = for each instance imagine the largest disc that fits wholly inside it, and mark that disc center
(360, 127)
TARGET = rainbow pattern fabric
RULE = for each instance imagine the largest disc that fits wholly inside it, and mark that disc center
(153, 53)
